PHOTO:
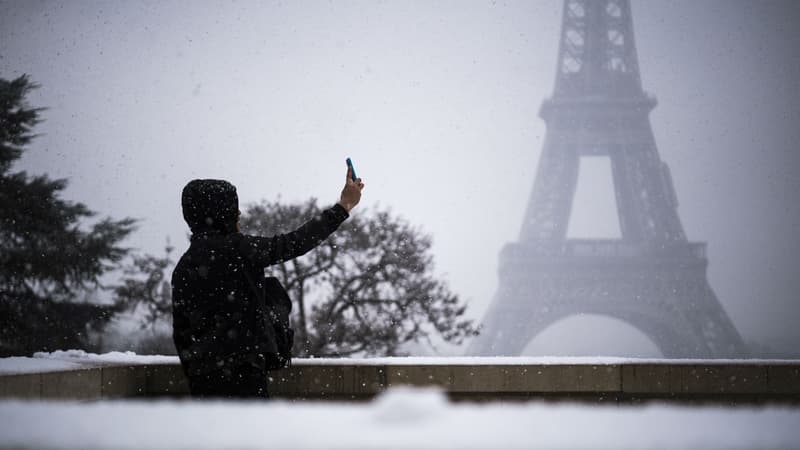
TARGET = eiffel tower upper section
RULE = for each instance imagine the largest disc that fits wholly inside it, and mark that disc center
(599, 108)
(597, 54)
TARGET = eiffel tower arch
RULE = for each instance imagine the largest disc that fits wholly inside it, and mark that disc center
(652, 278)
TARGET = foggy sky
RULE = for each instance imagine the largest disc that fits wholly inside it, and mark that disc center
(437, 103)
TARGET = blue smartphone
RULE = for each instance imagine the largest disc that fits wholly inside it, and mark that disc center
(352, 169)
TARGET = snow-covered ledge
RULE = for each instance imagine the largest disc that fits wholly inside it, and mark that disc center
(75, 374)
(78, 375)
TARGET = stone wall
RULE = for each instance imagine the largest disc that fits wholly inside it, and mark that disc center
(628, 382)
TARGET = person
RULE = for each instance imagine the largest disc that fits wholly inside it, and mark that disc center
(216, 325)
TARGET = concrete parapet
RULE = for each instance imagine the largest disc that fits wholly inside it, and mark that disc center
(74, 384)
(361, 379)
(508, 378)
(22, 386)
(328, 381)
(719, 379)
(165, 380)
(784, 379)
(658, 379)
(123, 381)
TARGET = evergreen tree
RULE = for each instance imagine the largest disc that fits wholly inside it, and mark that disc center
(49, 256)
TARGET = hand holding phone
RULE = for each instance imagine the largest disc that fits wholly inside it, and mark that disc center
(351, 193)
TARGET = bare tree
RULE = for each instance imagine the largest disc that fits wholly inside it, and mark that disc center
(366, 290)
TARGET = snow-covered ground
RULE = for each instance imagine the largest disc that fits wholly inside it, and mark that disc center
(399, 418)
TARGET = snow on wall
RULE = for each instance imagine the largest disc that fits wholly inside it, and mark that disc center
(61, 360)
(75, 359)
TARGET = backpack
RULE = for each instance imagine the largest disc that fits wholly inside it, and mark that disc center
(278, 308)
(274, 304)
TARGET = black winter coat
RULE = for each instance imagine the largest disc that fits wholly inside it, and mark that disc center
(216, 317)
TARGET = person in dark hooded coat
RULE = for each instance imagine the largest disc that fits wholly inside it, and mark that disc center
(217, 326)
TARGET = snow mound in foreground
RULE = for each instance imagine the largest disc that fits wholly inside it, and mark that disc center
(408, 405)
(398, 419)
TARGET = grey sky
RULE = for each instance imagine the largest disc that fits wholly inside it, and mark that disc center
(436, 102)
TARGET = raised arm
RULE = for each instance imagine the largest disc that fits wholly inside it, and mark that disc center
(265, 251)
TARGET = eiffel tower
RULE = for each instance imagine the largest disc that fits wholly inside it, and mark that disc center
(652, 278)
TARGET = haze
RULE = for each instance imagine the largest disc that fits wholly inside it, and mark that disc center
(437, 103)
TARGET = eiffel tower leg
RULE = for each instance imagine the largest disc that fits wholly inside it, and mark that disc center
(553, 191)
(712, 326)
(509, 325)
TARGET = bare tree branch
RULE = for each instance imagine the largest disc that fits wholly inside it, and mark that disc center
(371, 284)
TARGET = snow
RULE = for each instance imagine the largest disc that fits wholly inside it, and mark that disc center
(527, 360)
(75, 359)
(399, 418)
(111, 357)
(62, 360)
(20, 364)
